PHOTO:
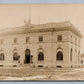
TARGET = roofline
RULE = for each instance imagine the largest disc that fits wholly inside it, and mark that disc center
(46, 28)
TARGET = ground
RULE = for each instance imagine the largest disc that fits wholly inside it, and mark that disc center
(46, 74)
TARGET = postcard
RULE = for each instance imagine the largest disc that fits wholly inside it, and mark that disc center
(41, 42)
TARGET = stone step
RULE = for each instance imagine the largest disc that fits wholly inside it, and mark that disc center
(26, 65)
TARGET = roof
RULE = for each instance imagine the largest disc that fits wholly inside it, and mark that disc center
(35, 28)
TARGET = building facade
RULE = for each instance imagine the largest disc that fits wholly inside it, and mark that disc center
(82, 60)
(42, 45)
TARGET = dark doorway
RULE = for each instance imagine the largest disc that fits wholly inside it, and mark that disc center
(27, 56)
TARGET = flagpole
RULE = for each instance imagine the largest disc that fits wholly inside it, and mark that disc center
(29, 21)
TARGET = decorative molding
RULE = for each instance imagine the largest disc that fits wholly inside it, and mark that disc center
(48, 27)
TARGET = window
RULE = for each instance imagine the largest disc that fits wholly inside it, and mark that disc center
(71, 55)
(27, 52)
(40, 38)
(27, 39)
(40, 56)
(81, 61)
(15, 40)
(59, 38)
(1, 41)
(15, 56)
(1, 56)
(59, 55)
(40, 65)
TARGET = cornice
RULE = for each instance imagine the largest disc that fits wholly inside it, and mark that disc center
(48, 27)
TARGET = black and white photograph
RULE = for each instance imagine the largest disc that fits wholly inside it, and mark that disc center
(42, 42)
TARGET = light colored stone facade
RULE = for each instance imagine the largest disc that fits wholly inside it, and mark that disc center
(50, 45)
(82, 60)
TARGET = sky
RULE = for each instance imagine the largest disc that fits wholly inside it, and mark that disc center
(13, 15)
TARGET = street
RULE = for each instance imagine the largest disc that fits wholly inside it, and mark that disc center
(39, 74)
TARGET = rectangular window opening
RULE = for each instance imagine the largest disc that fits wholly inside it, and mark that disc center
(59, 38)
(15, 40)
(40, 38)
(27, 39)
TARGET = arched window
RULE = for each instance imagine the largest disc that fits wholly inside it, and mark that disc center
(27, 56)
(40, 55)
(1, 56)
(59, 55)
(15, 55)
(71, 55)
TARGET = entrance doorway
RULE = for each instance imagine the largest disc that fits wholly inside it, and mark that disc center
(27, 56)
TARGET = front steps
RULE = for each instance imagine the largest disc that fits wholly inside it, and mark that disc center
(27, 65)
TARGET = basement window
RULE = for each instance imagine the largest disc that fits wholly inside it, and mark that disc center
(59, 66)
(40, 65)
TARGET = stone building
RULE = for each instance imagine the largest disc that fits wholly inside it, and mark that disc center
(82, 60)
(42, 45)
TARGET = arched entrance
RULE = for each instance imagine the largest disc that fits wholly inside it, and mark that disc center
(27, 56)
